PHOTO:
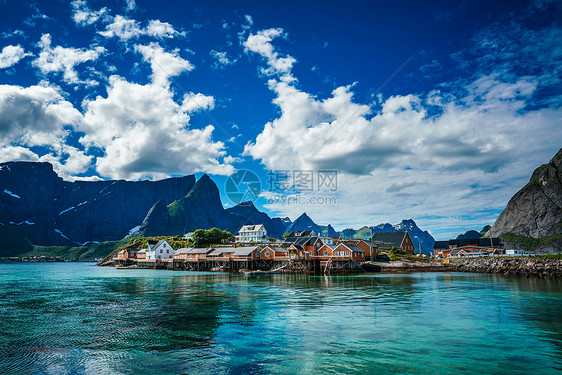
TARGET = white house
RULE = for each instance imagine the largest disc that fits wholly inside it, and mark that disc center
(515, 252)
(188, 236)
(159, 250)
(252, 233)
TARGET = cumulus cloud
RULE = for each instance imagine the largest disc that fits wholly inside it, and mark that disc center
(197, 102)
(163, 64)
(17, 153)
(34, 116)
(64, 60)
(11, 55)
(84, 16)
(125, 29)
(143, 133)
(260, 43)
(122, 28)
(159, 29)
(37, 116)
(479, 143)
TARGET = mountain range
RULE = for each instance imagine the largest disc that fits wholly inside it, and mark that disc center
(37, 207)
(419, 237)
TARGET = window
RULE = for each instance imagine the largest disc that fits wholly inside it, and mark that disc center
(337, 253)
(267, 253)
(325, 252)
(347, 253)
(167, 251)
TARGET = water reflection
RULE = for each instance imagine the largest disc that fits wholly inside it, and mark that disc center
(91, 320)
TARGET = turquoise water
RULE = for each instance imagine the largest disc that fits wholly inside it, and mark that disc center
(74, 318)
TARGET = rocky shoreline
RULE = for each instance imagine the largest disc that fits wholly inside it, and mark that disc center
(520, 266)
(529, 267)
(409, 267)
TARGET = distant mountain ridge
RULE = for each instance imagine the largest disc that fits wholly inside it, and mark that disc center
(37, 207)
(419, 237)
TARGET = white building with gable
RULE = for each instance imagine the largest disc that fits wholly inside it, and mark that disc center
(252, 233)
(159, 250)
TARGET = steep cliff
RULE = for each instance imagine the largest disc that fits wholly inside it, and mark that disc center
(535, 210)
(46, 210)
(201, 208)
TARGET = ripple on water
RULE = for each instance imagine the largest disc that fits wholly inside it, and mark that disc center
(92, 320)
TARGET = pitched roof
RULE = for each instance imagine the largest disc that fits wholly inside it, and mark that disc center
(204, 250)
(183, 250)
(393, 238)
(441, 245)
(304, 233)
(243, 251)
(220, 251)
(486, 242)
(353, 247)
(159, 244)
(251, 228)
(464, 242)
(276, 249)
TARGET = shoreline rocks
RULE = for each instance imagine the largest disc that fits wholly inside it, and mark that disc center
(527, 266)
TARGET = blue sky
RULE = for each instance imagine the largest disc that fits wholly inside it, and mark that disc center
(437, 111)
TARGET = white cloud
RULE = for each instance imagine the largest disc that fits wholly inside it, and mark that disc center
(83, 15)
(260, 43)
(197, 102)
(163, 64)
(159, 29)
(122, 28)
(11, 55)
(432, 156)
(17, 153)
(68, 161)
(222, 59)
(131, 5)
(34, 116)
(37, 116)
(61, 59)
(143, 133)
(125, 29)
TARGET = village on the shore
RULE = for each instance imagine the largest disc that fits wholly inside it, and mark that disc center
(299, 251)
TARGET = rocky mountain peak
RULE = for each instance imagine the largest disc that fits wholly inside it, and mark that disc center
(536, 209)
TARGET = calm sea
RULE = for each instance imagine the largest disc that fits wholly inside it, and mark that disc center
(74, 318)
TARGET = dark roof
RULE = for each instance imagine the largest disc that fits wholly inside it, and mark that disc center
(481, 242)
(441, 245)
(485, 242)
(354, 248)
(304, 233)
(393, 238)
(464, 242)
